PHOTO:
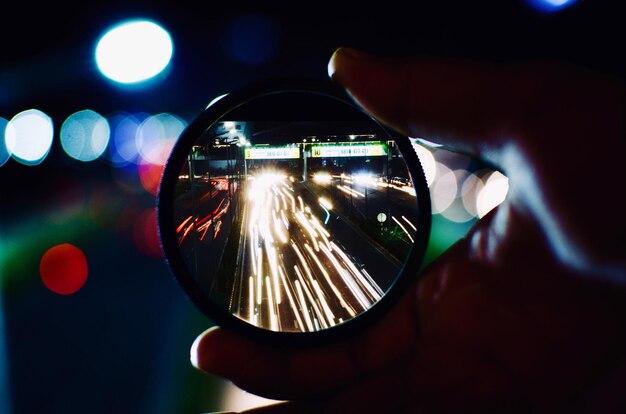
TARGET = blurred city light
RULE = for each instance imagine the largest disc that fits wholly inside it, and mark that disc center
(550, 5)
(364, 178)
(145, 234)
(28, 136)
(63, 269)
(156, 136)
(123, 146)
(150, 176)
(322, 177)
(325, 202)
(85, 135)
(457, 212)
(493, 193)
(444, 189)
(4, 151)
(134, 51)
(472, 186)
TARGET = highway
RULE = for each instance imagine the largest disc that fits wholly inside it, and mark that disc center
(296, 274)
(297, 262)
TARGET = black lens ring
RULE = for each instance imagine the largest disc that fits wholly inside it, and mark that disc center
(165, 209)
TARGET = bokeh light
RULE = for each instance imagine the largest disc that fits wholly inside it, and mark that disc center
(85, 135)
(146, 235)
(28, 136)
(134, 51)
(156, 136)
(4, 152)
(123, 145)
(493, 193)
(252, 39)
(63, 269)
(456, 211)
(444, 189)
(549, 6)
(150, 176)
(472, 186)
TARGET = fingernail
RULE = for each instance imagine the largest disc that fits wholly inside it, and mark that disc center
(344, 52)
(350, 54)
(193, 353)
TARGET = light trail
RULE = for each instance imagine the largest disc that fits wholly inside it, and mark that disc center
(293, 274)
(218, 189)
(298, 278)
(403, 228)
(294, 308)
(327, 213)
(182, 225)
(373, 289)
(312, 302)
(358, 293)
(307, 317)
(409, 223)
(350, 191)
(251, 298)
(270, 306)
(330, 283)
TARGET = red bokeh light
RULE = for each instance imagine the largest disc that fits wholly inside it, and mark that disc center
(150, 176)
(146, 235)
(63, 269)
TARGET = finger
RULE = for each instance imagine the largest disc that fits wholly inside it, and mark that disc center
(287, 373)
(532, 121)
(466, 106)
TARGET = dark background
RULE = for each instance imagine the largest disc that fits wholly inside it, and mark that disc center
(121, 343)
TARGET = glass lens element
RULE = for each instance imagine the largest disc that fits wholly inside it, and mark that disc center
(294, 225)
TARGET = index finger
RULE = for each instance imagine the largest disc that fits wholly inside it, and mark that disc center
(536, 122)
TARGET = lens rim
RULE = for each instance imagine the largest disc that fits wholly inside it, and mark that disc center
(409, 272)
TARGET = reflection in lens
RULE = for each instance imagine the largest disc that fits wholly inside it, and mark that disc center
(295, 226)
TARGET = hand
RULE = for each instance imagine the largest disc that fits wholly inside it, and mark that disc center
(528, 311)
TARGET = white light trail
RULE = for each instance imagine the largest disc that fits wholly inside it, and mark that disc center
(350, 191)
(409, 223)
(330, 283)
(316, 309)
(251, 299)
(403, 228)
(329, 314)
(350, 282)
(273, 263)
(270, 306)
(278, 229)
(305, 224)
(307, 318)
(374, 289)
(285, 221)
(259, 276)
(296, 311)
